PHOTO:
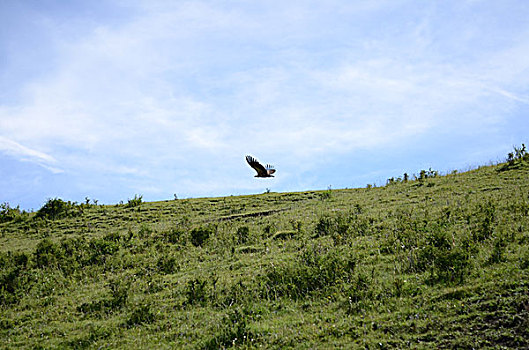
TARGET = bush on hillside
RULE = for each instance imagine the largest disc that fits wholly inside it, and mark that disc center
(341, 226)
(314, 269)
(199, 235)
(12, 267)
(243, 233)
(134, 202)
(448, 262)
(8, 214)
(518, 154)
(142, 314)
(427, 174)
(196, 291)
(515, 159)
(56, 208)
(47, 254)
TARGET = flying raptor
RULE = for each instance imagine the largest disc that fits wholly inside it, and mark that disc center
(262, 171)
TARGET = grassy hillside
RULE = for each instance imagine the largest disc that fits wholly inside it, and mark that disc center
(437, 262)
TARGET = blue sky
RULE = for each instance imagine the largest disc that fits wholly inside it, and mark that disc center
(108, 99)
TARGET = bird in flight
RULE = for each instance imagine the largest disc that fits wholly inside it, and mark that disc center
(261, 170)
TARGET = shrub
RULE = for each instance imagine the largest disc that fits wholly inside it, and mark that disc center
(74, 254)
(167, 264)
(498, 251)
(394, 181)
(359, 290)
(486, 215)
(516, 158)
(20, 259)
(518, 154)
(314, 269)
(47, 254)
(99, 249)
(10, 283)
(136, 201)
(196, 291)
(342, 225)
(140, 315)
(12, 267)
(174, 235)
(427, 174)
(447, 262)
(119, 294)
(11, 214)
(57, 208)
(242, 234)
(199, 235)
(328, 224)
(326, 195)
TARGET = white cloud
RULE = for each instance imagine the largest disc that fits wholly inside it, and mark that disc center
(510, 95)
(23, 153)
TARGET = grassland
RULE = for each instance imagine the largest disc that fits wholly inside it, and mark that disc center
(437, 262)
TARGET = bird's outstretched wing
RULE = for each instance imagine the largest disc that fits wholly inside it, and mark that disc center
(261, 171)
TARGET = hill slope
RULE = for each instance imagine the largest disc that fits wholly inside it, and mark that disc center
(441, 261)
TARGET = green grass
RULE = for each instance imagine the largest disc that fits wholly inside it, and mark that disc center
(438, 262)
